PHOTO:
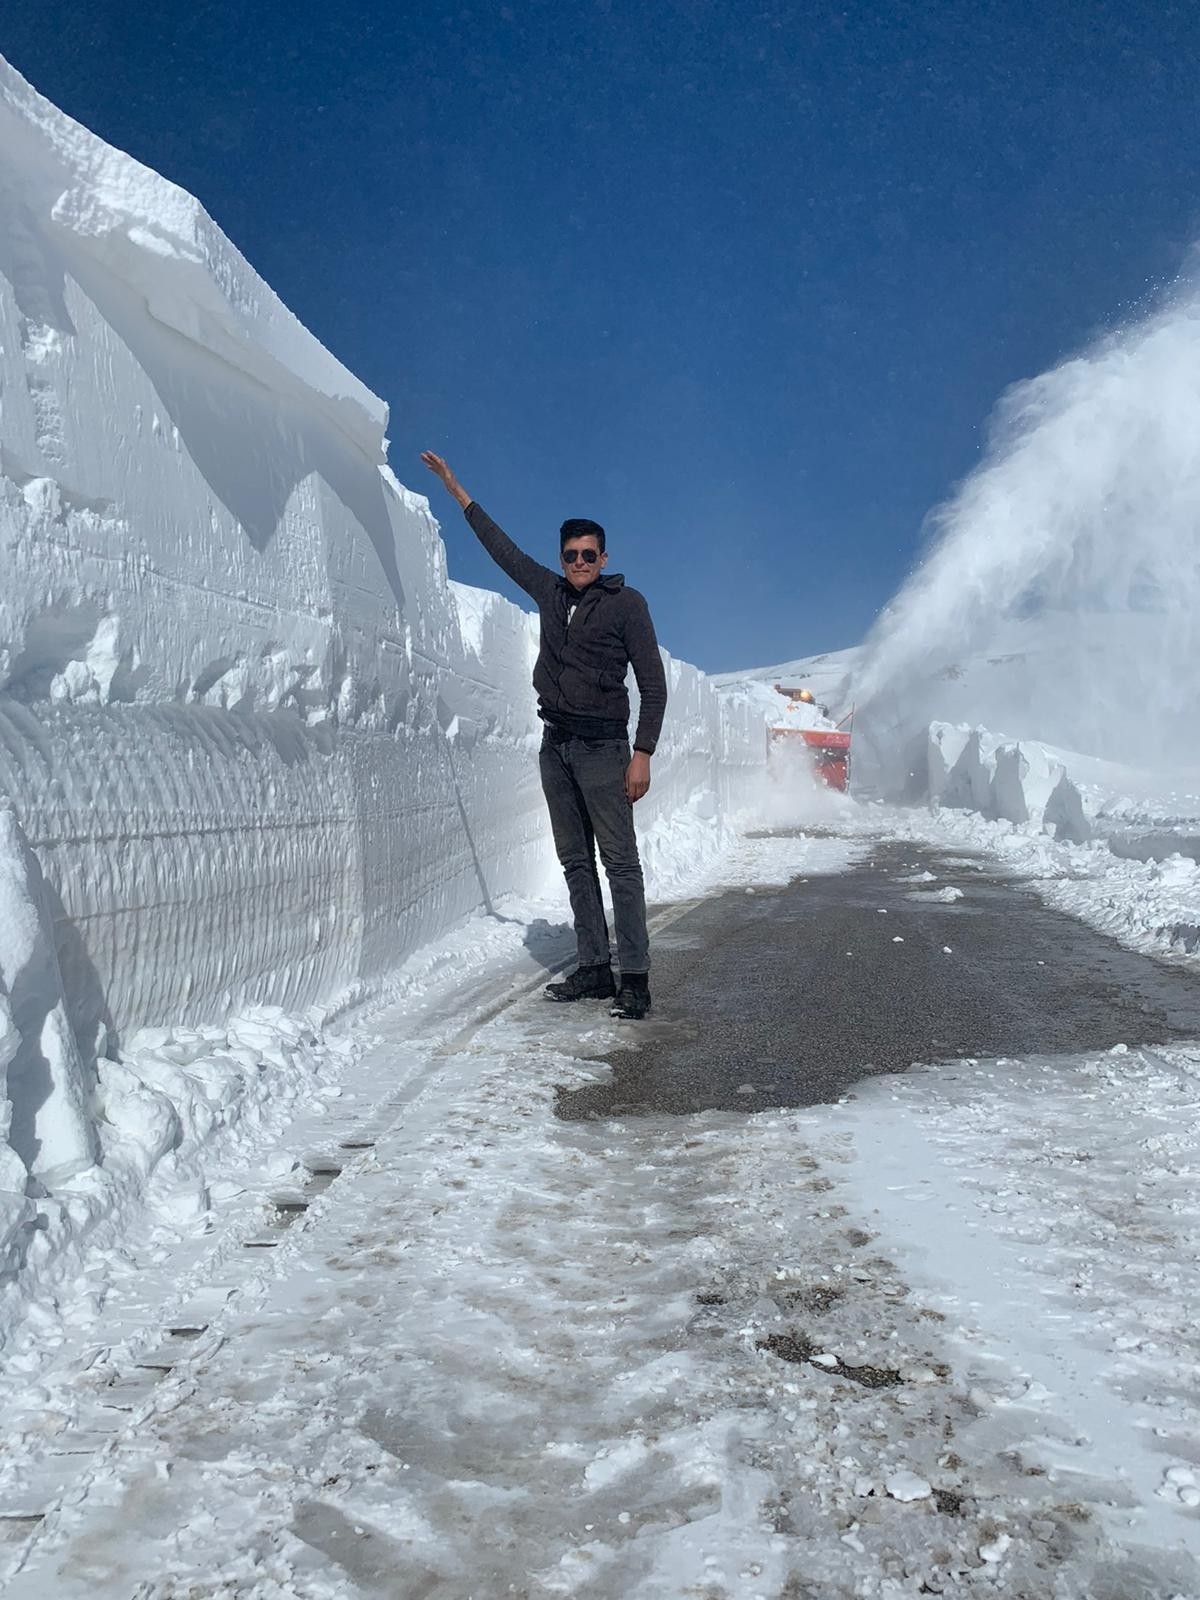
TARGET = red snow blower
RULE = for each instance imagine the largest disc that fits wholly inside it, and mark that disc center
(828, 747)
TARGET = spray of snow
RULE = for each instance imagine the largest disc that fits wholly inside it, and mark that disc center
(794, 796)
(1063, 580)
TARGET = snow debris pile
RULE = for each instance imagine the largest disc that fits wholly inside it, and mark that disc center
(83, 1140)
(173, 1088)
(45, 1115)
(970, 769)
(1147, 903)
(258, 750)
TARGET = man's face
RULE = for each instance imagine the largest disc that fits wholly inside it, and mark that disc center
(582, 562)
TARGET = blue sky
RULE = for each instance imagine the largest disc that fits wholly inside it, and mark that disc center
(740, 281)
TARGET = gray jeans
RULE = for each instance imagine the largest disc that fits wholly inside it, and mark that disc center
(584, 784)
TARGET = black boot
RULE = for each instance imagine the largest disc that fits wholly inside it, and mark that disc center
(633, 1001)
(586, 983)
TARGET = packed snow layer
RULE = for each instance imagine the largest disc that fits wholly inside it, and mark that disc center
(258, 749)
(1060, 1193)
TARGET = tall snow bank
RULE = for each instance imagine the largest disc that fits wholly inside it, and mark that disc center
(707, 769)
(258, 749)
(192, 508)
(1023, 782)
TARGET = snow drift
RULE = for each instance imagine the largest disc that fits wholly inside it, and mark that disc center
(969, 769)
(257, 748)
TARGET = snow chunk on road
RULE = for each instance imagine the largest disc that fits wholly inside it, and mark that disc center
(906, 1485)
(995, 1549)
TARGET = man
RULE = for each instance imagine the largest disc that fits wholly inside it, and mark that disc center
(593, 630)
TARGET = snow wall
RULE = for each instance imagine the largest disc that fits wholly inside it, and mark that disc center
(970, 769)
(257, 748)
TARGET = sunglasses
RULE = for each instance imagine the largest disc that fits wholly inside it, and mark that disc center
(589, 557)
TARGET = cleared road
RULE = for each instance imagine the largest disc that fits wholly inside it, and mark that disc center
(786, 997)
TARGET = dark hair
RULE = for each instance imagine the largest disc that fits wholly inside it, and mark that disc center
(580, 528)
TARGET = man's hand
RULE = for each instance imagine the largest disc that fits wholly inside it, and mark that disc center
(637, 777)
(440, 470)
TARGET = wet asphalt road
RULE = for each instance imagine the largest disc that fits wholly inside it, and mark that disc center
(799, 992)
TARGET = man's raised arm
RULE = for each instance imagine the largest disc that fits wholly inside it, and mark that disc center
(441, 469)
(537, 581)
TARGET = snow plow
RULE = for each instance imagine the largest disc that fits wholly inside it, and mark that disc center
(827, 744)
